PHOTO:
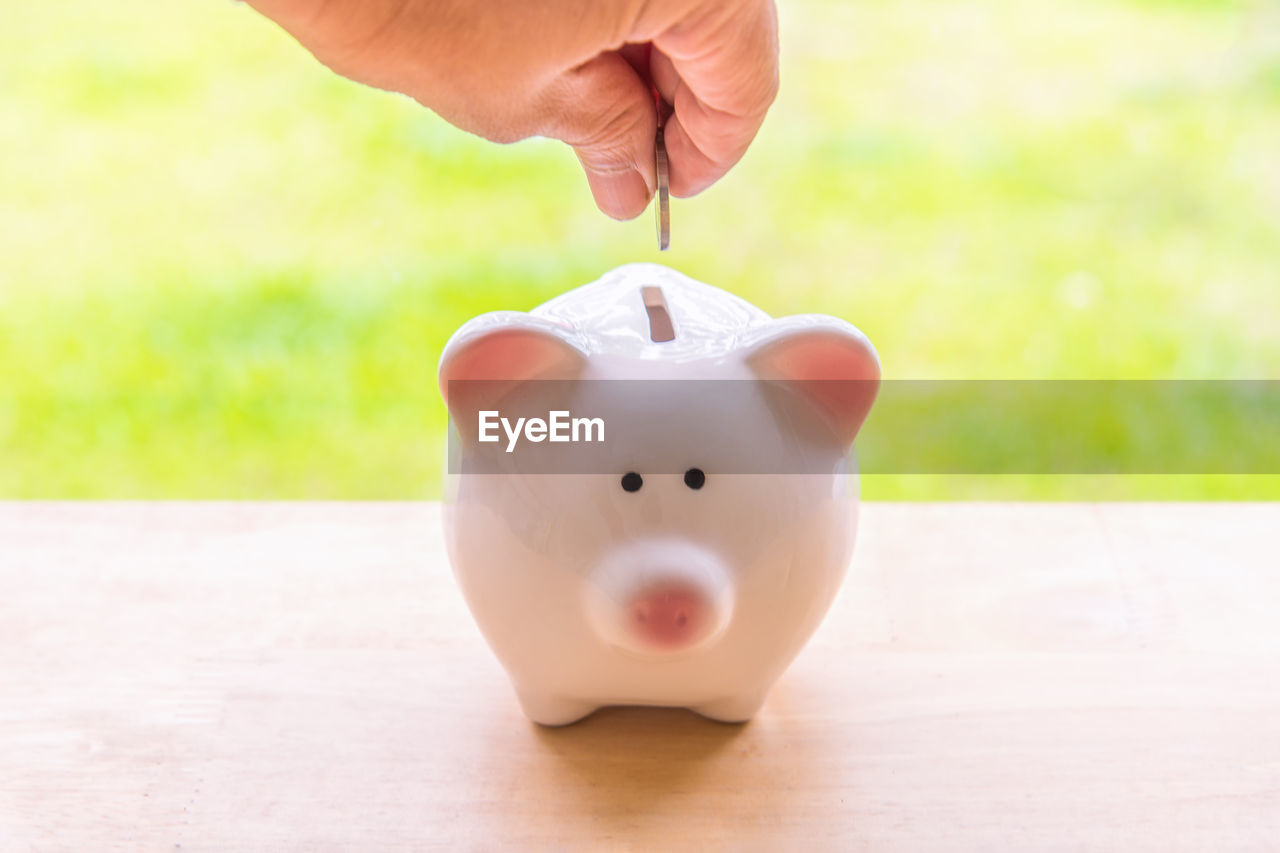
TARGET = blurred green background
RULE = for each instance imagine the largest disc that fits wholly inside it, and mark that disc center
(227, 273)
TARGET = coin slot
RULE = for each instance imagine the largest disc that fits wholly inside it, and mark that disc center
(655, 305)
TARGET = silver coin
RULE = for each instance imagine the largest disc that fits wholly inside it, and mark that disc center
(663, 206)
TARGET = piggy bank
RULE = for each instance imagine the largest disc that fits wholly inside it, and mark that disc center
(651, 495)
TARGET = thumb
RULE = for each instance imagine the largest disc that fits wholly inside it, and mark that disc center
(605, 111)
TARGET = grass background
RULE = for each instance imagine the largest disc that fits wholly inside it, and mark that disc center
(227, 273)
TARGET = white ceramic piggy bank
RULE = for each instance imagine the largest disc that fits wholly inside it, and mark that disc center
(674, 527)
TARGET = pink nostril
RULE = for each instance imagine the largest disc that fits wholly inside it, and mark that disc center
(670, 616)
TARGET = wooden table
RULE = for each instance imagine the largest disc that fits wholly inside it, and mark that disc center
(232, 677)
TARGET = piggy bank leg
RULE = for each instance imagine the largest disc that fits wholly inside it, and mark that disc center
(548, 710)
(733, 709)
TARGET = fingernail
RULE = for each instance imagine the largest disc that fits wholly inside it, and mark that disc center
(621, 195)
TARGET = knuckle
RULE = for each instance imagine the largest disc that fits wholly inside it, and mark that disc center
(603, 134)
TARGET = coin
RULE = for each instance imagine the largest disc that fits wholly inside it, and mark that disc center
(663, 206)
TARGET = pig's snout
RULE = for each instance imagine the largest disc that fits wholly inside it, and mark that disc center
(660, 597)
(669, 615)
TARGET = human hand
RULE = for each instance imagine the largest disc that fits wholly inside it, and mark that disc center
(574, 70)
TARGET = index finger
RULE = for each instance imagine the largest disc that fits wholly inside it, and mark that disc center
(719, 70)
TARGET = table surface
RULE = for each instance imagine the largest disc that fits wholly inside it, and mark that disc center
(306, 677)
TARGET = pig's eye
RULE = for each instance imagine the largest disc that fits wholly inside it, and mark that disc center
(694, 478)
(631, 481)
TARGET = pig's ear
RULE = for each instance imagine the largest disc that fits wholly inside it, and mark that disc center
(510, 346)
(827, 360)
